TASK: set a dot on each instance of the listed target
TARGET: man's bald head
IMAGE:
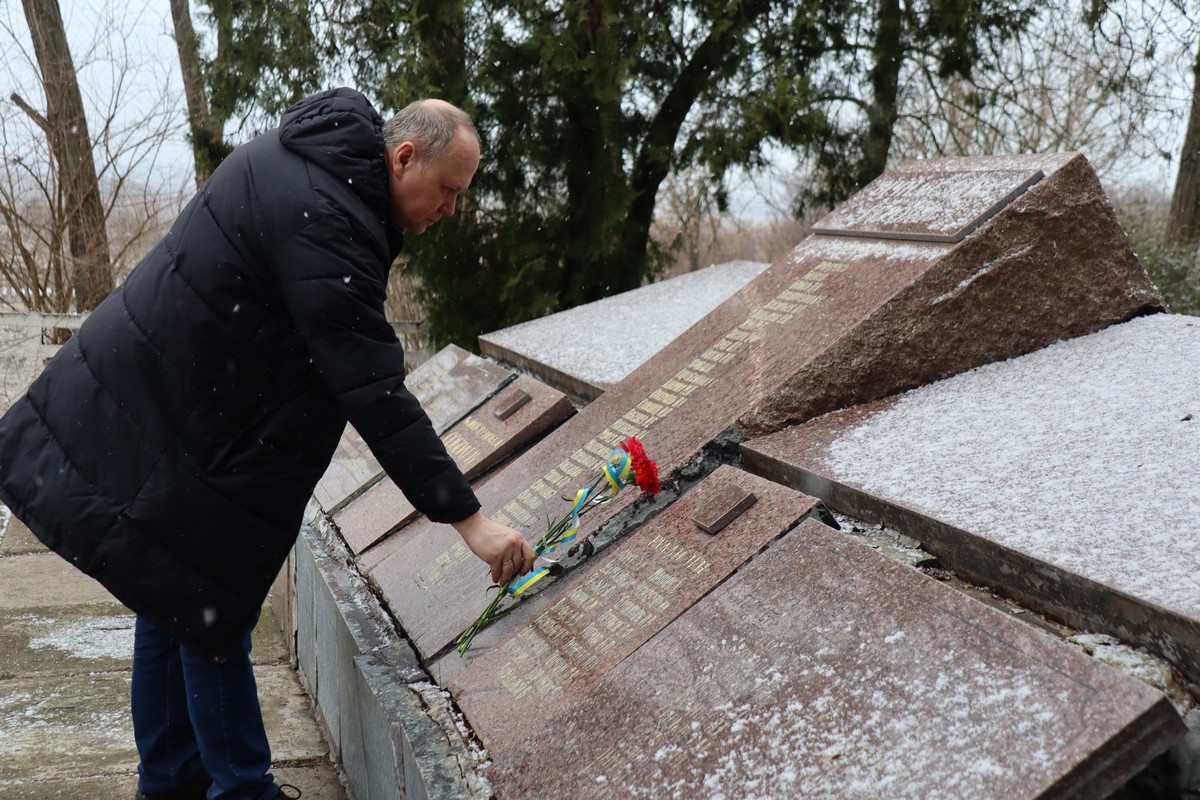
(431, 125)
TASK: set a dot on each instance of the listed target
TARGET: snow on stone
(941, 202)
(1085, 455)
(91, 638)
(604, 341)
(865, 733)
(879, 251)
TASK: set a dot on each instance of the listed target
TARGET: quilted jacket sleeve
(333, 285)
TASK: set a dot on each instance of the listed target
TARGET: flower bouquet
(629, 463)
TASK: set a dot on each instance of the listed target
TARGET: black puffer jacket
(170, 447)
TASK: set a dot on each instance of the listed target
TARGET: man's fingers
(527, 557)
(516, 558)
(513, 564)
(507, 568)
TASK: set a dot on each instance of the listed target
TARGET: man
(171, 446)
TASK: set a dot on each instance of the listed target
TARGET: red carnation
(645, 471)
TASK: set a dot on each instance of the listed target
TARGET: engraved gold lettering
(483, 431)
(582, 600)
(459, 448)
(609, 438)
(513, 681)
(631, 558)
(718, 356)
(679, 387)
(640, 419)
(579, 655)
(742, 336)
(653, 408)
(691, 376)
(431, 576)
(664, 580)
(625, 429)
(666, 398)
(650, 598)
(583, 459)
(546, 625)
(597, 639)
(610, 622)
(632, 612)
(518, 513)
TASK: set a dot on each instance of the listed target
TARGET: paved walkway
(65, 647)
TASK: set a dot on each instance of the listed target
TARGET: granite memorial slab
(449, 385)
(510, 420)
(453, 383)
(1065, 477)
(555, 645)
(839, 321)
(352, 467)
(912, 204)
(586, 366)
(824, 669)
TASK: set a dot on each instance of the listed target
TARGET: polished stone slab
(519, 414)
(557, 644)
(837, 322)
(353, 467)
(588, 349)
(913, 204)
(824, 669)
(449, 385)
(1066, 477)
(453, 383)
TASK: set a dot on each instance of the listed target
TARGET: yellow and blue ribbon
(529, 580)
(617, 470)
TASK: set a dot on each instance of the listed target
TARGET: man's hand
(504, 549)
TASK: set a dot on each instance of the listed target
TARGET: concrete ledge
(394, 733)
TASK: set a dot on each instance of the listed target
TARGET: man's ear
(403, 157)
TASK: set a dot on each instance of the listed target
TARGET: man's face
(423, 193)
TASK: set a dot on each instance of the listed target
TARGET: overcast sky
(143, 62)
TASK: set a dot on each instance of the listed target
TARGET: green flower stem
(548, 541)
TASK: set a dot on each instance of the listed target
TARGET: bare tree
(263, 56)
(1183, 220)
(65, 127)
(38, 190)
(206, 130)
(1059, 86)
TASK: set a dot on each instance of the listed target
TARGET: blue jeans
(193, 717)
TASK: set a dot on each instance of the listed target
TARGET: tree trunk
(885, 88)
(71, 148)
(654, 156)
(206, 133)
(1183, 220)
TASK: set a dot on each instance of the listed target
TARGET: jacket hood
(340, 131)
